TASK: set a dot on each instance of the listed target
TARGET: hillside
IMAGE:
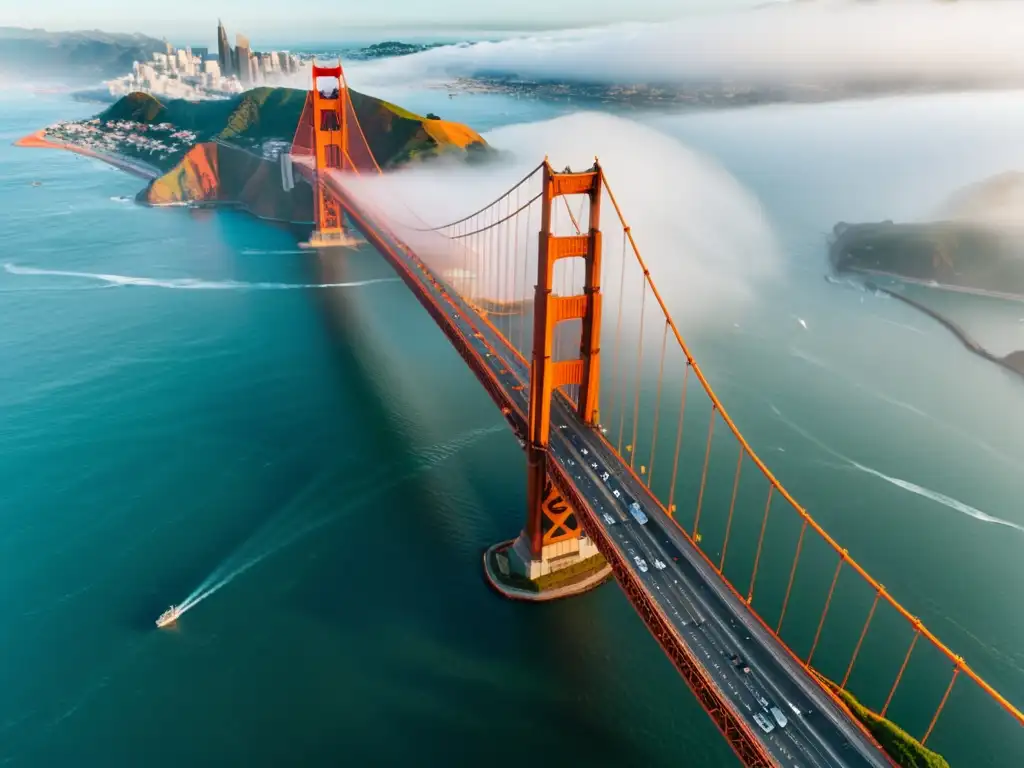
(264, 115)
(83, 56)
(975, 243)
(225, 152)
(965, 254)
(904, 749)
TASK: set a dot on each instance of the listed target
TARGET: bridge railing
(718, 491)
(664, 419)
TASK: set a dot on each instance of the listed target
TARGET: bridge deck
(699, 622)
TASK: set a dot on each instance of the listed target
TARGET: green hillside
(272, 114)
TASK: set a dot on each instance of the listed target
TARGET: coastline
(969, 290)
(38, 140)
(962, 335)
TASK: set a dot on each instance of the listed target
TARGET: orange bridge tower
(331, 126)
(553, 538)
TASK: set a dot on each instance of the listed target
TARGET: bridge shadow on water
(423, 614)
(398, 583)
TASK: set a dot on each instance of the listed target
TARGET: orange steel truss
(329, 137)
(487, 253)
(737, 733)
(548, 522)
(555, 511)
(807, 522)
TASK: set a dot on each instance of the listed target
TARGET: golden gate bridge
(526, 288)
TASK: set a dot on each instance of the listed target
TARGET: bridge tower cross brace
(550, 521)
(330, 150)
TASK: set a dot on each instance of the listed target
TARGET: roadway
(710, 619)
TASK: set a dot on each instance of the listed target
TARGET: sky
(337, 20)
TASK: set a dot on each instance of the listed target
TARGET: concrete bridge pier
(552, 558)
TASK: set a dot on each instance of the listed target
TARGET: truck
(636, 512)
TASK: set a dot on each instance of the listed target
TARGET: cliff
(220, 173)
(231, 161)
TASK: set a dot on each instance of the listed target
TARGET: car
(640, 563)
(659, 564)
(608, 519)
(605, 476)
(584, 451)
(616, 493)
(764, 722)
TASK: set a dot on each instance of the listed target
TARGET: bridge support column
(331, 153)
(553, 556)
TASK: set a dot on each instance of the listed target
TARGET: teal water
(213, 416)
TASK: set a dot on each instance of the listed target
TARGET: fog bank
(704, 236)
(975, 42)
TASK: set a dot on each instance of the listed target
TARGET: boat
(169, 616)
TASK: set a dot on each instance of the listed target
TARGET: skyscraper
(243, 59)
(223, 50)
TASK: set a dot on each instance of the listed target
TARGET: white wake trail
(906, 485)
(428, 459)
(850, 381)
(186, 283)
(941, 498)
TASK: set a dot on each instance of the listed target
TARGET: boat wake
(850, 381)
(278, 533)
(185, 283)
(906, 485)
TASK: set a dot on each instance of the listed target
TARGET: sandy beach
(38, 140)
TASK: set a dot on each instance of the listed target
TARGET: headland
(228, 152)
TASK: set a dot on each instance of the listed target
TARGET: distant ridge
(86, 55)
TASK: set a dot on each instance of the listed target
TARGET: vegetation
(395, 135)
(903, 748)
(562, 578)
